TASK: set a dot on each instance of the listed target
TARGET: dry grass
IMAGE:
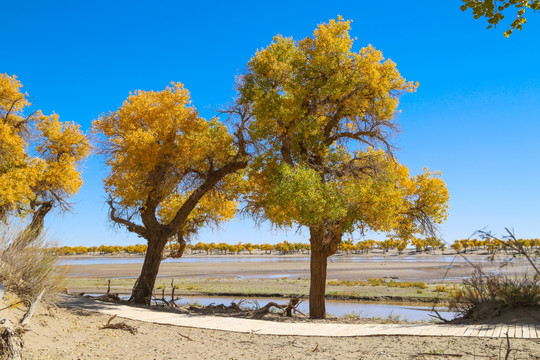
(28, 270)
(496, 291)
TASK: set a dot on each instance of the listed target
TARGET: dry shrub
(26, 271)
(498, 292)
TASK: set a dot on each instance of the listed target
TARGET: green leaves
(493, 14)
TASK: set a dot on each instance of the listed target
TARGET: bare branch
(140, 230)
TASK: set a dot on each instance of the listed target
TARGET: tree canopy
(39, 157)
(493, 11)
(322, 120)
(171, 171)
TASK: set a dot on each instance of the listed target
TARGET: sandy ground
(58, 333)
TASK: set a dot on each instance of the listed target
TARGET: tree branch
(132, 227)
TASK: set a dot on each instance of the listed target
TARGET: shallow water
(333, 307)
(336, 307)
(248, 258)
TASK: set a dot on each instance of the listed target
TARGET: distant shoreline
(372, 253)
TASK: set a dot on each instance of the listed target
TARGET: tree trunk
(34, 229)
(144, 286)
(318, 265)
(324, 243)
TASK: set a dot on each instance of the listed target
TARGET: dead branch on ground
(286, 309)
(121, 325)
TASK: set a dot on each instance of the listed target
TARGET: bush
(496, 291)
(26, 271)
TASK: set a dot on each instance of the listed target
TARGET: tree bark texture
(324, 243)
(33, 230)
(144, 286)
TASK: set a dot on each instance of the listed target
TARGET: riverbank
(230, 286)
(405, 278)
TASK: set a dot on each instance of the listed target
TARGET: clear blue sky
(475, 117)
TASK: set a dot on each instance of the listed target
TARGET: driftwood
(11, 342)
(26, 318)
(110, 297)
(286, 309)
(233, 306)
(121, 325)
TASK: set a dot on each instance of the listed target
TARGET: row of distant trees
(492, 245)
(348, 247)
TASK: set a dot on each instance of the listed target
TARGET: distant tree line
(290, 248)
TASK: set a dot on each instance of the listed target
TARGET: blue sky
(475, 116)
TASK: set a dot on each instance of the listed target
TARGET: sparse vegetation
(26, 271)
(483, 294)
(378, 282)
(490, 295)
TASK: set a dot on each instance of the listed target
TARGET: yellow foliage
(160, 151)
(39, 154)
(313, 101)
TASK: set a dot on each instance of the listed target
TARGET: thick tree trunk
(142, 290)
(318, 265)
(324, 243)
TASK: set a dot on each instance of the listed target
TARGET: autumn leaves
(39, 158)
(309, 145)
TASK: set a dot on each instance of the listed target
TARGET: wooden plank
(426, 329)
(491, 331)
(402, 329)
(481, 330)
(511, 331)
(472, 330)
(499, 331)
(341, 330)
(394, 329)
(519, 330)
(414, 330)
(267, 329)
(456, 330)
(525, 331)
(363, 329)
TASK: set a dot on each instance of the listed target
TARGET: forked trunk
(144, 286)
(318, 265)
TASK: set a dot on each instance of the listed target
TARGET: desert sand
(59, 333)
